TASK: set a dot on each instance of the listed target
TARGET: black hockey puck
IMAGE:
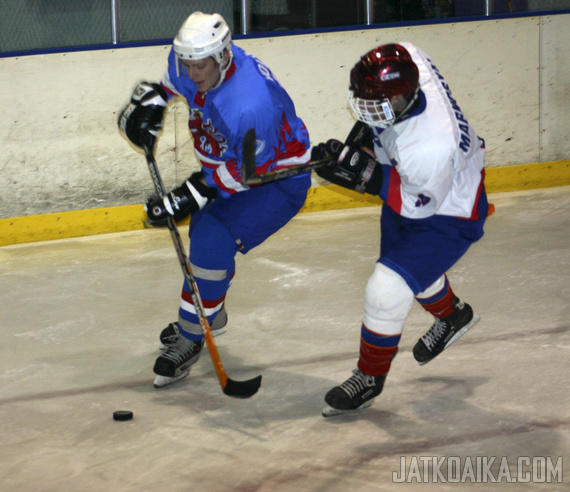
(122, 415)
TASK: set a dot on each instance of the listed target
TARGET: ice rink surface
(79, 335)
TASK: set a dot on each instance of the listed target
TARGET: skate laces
(171, 333)
(355, 384)
(438, 330)
(181, 350)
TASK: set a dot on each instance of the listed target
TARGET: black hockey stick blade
(249, 176)
(248, 156)
(242, 389)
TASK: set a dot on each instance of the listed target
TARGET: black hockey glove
(330, 150)
(352, 168)
(185, 200)
(141, 119)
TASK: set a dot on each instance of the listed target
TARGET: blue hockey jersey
(249, 97)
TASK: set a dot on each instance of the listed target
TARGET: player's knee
(387, 301)
(212, 246)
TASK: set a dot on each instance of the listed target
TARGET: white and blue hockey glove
(141, 119)
(185, 200)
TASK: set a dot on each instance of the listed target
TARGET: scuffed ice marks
(59, 333)
(286, 274)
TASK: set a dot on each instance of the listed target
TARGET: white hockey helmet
(201, 36)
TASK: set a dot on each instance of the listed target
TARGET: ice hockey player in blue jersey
(228, 92)
(425, 161)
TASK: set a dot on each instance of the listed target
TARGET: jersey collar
(417, 107)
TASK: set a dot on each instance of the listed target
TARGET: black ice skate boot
(174, 364)
(444, 332)
(170, 334)
(355, 393)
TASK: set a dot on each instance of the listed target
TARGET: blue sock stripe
(191, 336)
(377, 340)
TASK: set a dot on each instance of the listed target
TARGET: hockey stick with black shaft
(230, 387)
(249, 177)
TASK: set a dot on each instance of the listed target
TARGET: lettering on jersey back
(462, 124)
(264, 70)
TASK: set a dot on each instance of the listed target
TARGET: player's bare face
(204, 73)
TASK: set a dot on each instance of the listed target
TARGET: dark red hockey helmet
(380, 74)
(384, 72)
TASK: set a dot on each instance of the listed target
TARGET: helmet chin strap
(413, 99)
(223, 71)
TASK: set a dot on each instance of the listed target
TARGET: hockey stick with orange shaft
(230, 387)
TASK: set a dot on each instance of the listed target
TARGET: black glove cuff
(197, 180)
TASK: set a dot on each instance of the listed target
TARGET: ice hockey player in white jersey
(228, 92)
(425, 161)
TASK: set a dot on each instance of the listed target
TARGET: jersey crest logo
(206, 135)
(422, 200)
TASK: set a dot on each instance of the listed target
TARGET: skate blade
(329, 411)
(455, 337)
(463, 330)
(162, 381)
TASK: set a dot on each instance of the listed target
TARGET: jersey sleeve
(170, 78)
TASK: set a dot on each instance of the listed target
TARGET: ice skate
(444, 332)
(174, 364)
(171, 333)
(356, 393)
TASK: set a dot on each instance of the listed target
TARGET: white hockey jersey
(435, 156)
